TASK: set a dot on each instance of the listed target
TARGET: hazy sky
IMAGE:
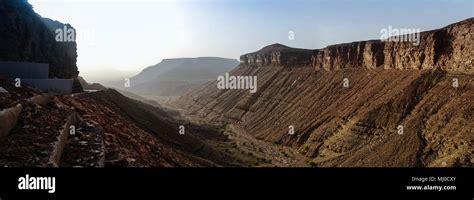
(131, 35)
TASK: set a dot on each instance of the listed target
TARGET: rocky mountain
(446, 48)
(174, 77)
(368, 103)
(90, 86)
(25, 36)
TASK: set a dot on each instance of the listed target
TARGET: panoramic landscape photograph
(236, 84)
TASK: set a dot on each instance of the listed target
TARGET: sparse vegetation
(312, 163)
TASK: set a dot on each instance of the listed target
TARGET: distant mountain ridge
(173, 77)
(167, 65)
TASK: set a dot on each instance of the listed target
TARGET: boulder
(2, 90)
(41, 99)
(8, 119)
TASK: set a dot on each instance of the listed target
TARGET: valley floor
(253, 152)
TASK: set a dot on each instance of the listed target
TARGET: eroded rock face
(277, 55)
(449, 48)
(27, 37)
(390, 85)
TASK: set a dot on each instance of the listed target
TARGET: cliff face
(449, 48)
(277, 55)
(399, 108)
(27, 37)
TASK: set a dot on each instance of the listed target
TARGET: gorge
(392, 85)
(376, 103)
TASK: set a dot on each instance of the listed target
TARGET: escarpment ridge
(449, 48)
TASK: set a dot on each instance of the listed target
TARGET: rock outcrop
(27, 37)
(449, 48)
(278, 55)
(90, 86)
(8, 120)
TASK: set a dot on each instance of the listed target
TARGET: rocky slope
(90, 86)
(369, 103)
(111, 130)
